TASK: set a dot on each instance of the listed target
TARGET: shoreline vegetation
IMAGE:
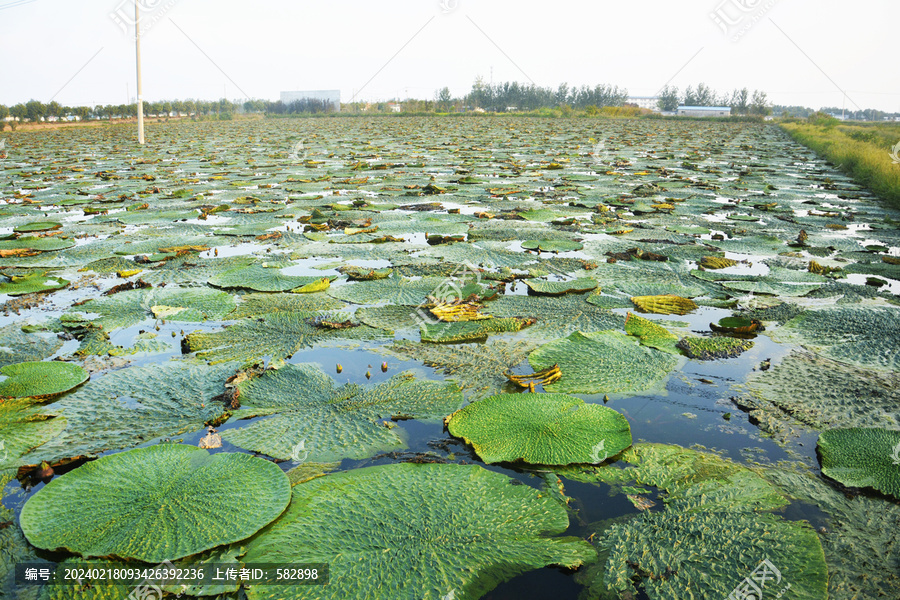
(861, 150)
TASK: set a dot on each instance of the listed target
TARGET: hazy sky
(77, 53)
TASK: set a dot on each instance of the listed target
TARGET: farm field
(450, 358)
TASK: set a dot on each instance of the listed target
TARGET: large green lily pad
(277, 335)
(714, 531)
(159, 503)
(438, 532)
(47, 378)
(478, 369)
(32, 284)
(557, 288)
(313, 418)
(18, 346)
(24, 427)
(135, 405)
(604, 362)
(546, 429)
(862, 457)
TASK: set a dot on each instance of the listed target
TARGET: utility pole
(137, 52)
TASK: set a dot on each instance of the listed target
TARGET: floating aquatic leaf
(666, 305)
(131, 406)
(470, 330)
(711, 534)
(651, 333)
(556, 316)
(47, 378)
(154, 504)
(18, 346)
(260, 278)
(259, 305)
(862, 335)
(604, 362)
(277, 335)
(32, 284)
(477, 368)
(24, 427)
(546, 429)
(712, 348)
(424, 546)
(556, 288)
(552, 245)
(862, 457)
(333, 422)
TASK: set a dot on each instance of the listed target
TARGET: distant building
(332, 96)
(395, 106)
(704, 111)
(648, 102)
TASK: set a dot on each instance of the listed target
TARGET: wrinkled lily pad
(546, 429)
(157, 503)
(470, 330)
(47, 378)
(604, 362)
(713, 532)
(330, 422)
(477, 368)
(712, 348)
(557, 288)
(31, 284)
(862, 457)
(24, 427)
(135, 405)
(423, 545)
(277, 335)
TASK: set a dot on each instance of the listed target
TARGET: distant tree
(35, 110)
(443, 99)
(54, 109)
(690, 97)
(740, 101)
(668, 99)
(19, 111)
(562, 95)
(4, 111)
(759, 103)
(81, 112)
(705, 96)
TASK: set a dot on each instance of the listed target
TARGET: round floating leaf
(260, 279)
(712, 533)
(159, 503)
(19, 346)
(545, 429)
(604, 362)
(862, 457)
(552, 245)
(31, 284)
(128, 407)
(435, 531)
(711, 348)
(557, 288)
(460, 331)
(22, 428)
(47, 378)
(665, 305)
(313, 418)
(37, 226)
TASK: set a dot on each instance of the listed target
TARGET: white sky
(260, 48)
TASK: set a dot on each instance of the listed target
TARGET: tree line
(741, 101)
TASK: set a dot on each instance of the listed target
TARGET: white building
(704, 111)
(332, 96)
(648, 102)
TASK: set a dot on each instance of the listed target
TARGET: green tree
(35, 110)
(19, 112)
(443, 98)
(668, 99)
(759, 103)
(4, 111)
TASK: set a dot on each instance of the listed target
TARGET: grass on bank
(863, 151)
